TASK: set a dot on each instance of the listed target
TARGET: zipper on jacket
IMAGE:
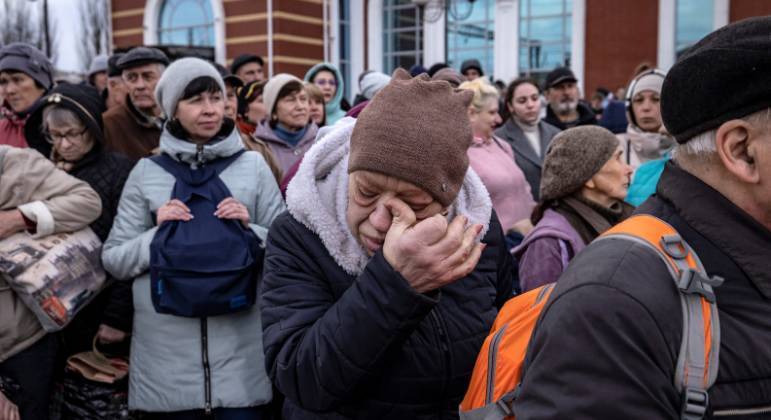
(199, 154)
(443, 345)
(206, 369)
(733, 412)
(492, 359)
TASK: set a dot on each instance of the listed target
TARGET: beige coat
(57, 202)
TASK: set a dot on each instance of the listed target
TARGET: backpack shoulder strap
(221, 164)
(697, 362)
(170, 165)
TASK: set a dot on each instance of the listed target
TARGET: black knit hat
(243, 59)
(724, 76)
(83, 100)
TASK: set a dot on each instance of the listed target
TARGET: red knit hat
(417, 130)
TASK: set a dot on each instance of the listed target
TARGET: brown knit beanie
(416, 130)
(573, 157)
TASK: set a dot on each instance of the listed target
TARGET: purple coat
(546, 250)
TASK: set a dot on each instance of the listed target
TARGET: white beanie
(646, 81)
(273, 87)
(372, 82)
(177, 76)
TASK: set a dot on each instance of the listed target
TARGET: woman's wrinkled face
(19, 90)
(647, 110)
(611, 183)
(202, 115)
(368, 217)
(292, 110)
(71, 141)
(484, 121)
(256, 111)
(316, 111)
(526, 103)
(327, 82)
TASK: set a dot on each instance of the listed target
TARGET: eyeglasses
(326, 82)
(72, 137)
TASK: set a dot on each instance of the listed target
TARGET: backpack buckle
(692, 281)
(674, 246)
(695, 404)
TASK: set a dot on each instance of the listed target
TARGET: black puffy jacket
(339, 346)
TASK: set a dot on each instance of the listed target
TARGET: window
(186, 22)
(470, 32)
(544, 36)
(693, 20)
(345, 45)
(403, 35)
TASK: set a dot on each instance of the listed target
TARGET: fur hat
(417, 130)
(573, 157)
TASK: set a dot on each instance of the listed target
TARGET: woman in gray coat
(528, 135)
(184, 367)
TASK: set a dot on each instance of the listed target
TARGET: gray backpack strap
(698, 360)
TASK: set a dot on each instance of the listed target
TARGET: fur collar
(317, 197)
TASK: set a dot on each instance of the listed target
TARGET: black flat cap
(726, 75)
(140, 56)
(243, 59)
(112, 65)
(559, 75)
(228, 77)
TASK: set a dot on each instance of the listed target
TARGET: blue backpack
(206, 266)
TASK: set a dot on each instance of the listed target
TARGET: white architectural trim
(153, 12)
(357, 40)
(332, 32)
(578, 42)
(375, 32)
(434, 36)
(270, 38)
(667, 23)
(721, 14)
(506, 43)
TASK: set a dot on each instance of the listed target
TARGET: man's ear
(736, 142)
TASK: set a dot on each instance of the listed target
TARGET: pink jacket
(493, 161)
(12, 129)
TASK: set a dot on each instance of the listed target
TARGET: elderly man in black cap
(617, 310)
(134, 129)
(248, 67)
(565, 110)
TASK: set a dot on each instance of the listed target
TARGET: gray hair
(702, 147)
(56, 116)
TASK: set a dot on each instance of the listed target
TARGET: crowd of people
(273, 251)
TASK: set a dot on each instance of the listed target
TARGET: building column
(357, 38)
(720, 16)
(375, 38)
(506, 42)
(434, 33)
(667, 18)
(578, 42)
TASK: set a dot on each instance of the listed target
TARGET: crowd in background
(384, 234)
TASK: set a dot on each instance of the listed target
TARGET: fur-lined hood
(317, 197)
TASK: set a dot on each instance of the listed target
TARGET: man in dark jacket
(565, 110)
(377, 294)
(134, 129)
(608, 340)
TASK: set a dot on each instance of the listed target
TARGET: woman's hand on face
(173, 210)
(230, 208)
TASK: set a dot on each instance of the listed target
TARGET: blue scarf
(289, 137)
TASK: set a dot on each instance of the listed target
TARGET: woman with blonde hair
(493, 160)
(316, 109)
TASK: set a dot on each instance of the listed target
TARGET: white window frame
(152, 15)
